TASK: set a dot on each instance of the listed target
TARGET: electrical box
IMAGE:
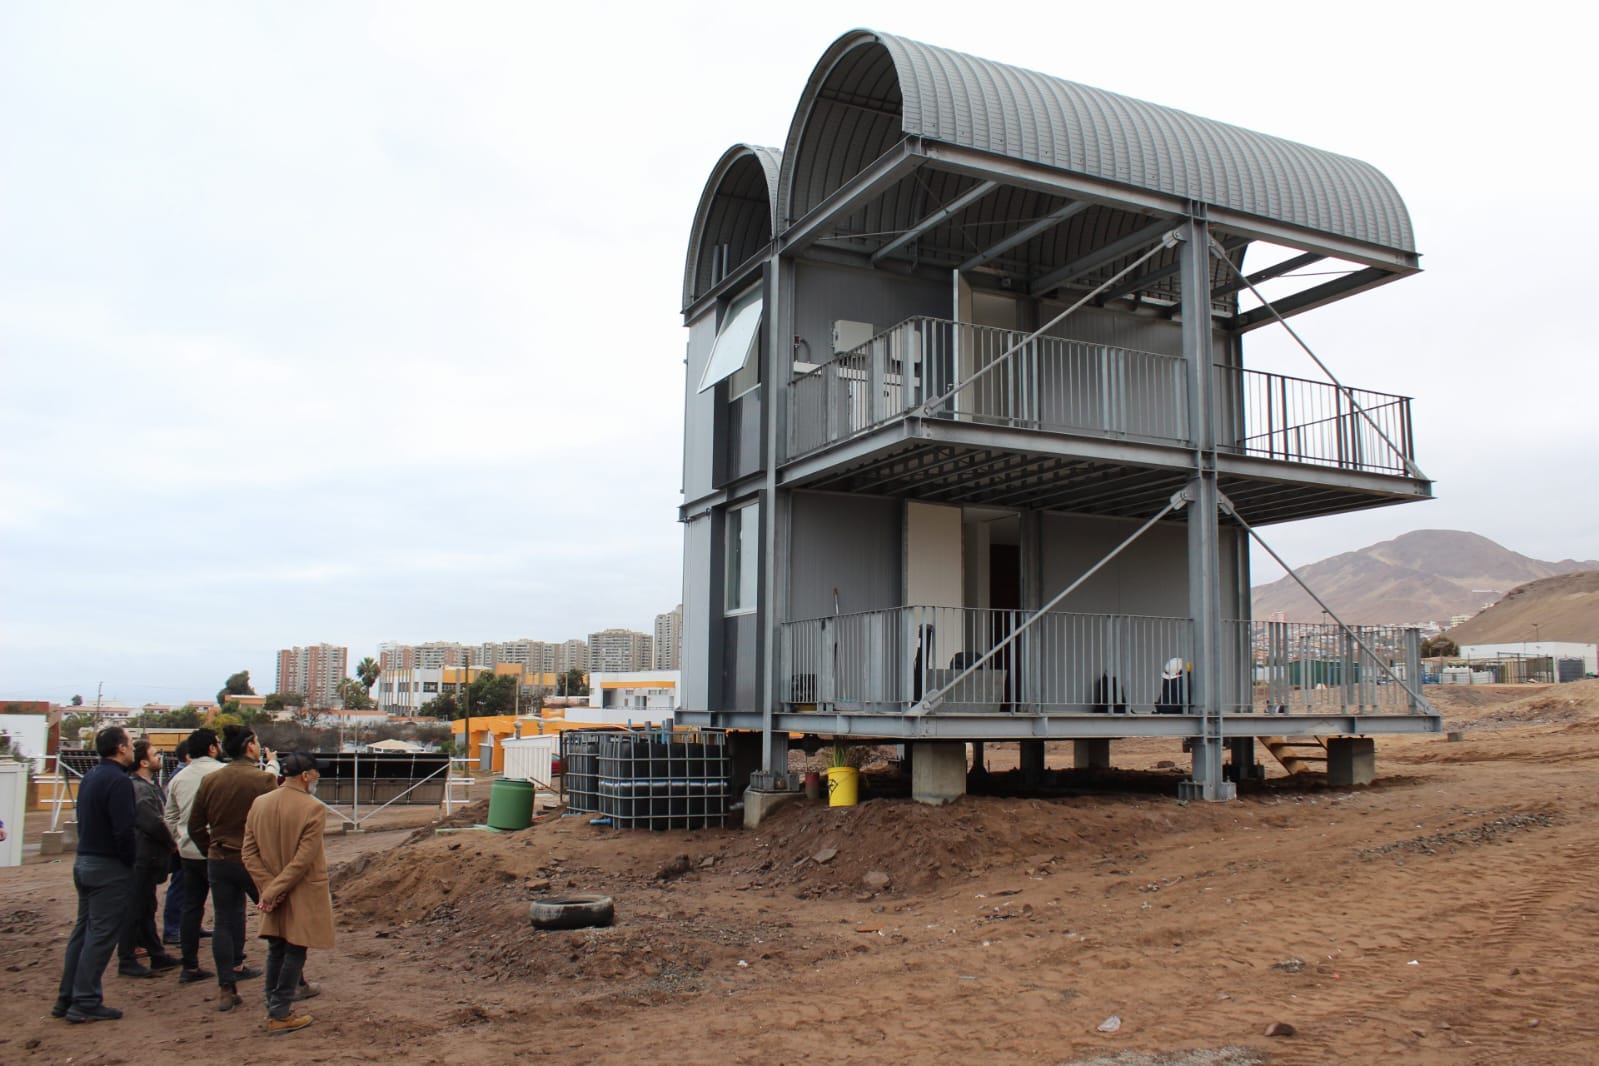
(847, 335)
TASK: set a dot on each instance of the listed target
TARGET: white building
(633, 696)
(1537, 649)
(403, 692)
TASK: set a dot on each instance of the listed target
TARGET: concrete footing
(1219, 792)
(52, 842)
(1092, 754)
(69, 827)
(758, 806)
(1351, 761)
(938, 771)
(1032, 762)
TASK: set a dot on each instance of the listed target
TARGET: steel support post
(1204, 553)
(778, 279)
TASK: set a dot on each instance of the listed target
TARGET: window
(742, 549)
(736, 353)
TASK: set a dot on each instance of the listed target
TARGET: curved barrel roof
(738, 209)
(870, 89)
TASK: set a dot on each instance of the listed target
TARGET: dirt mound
(898, 847)
(1499, 706)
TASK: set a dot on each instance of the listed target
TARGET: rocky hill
(1564, 607)
(1427, 575)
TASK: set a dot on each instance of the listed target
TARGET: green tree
(77, 701)
(277, 701)
(353, 695)
(493, 694)
(442, 706)
(573, 683)
(73, 725)
(237, 685)
(1439, 645)
(368, 670)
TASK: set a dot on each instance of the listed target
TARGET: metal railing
(1302, 421)
(1049, 383)
(951, 370)
(1068, 663)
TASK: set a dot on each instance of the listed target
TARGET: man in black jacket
(101, 873)
(155, 851)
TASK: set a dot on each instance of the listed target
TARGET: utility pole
(99, 690)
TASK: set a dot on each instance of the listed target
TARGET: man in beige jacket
(283, 852)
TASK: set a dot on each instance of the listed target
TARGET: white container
(13, 809)
(530, 758)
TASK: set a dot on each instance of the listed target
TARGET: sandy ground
(1447, 914)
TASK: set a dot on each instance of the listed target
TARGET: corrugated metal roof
(870, 89)
(738, 209)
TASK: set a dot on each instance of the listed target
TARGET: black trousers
(196, 886)
(285, 961)
(230, 887)
(138, 927)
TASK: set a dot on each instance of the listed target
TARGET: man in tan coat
(283, 852)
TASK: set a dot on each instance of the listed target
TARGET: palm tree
(368, 670)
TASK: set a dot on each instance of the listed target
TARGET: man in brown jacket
(283, 852)
(216, 826)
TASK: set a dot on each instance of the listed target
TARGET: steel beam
(955, 206)
(1138, 239)
(1025, 234)
(890, 168)
(1326, 293)
(1276, 270)
(1231, 244)
(992, 725)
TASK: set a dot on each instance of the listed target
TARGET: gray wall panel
(825, 293)
(1150, 577)
(699, 613)
(849, 543)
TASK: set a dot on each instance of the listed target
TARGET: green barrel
(510, 804)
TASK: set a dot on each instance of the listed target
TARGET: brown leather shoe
(228, 998)
(279, 1026)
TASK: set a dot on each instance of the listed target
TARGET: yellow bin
(843, 783)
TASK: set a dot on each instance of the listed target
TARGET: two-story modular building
(973, 450)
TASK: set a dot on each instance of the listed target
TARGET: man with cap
(284, 855)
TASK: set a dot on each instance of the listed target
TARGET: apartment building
(620, 651)
(314, 672)
(669, 639)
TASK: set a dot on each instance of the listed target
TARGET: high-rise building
(434, 655)
(668, 638)
(315, 672)
(613, 650)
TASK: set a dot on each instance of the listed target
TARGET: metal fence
(1302, 421)
(1048, 383)
(1067, 663)
(1058, 384)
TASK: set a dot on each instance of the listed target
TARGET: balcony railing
(887, 661)
(955, 371)
(1049, 383)
(1302, 421)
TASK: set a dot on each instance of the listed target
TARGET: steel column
(1204, 557)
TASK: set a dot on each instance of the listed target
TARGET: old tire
(571, 912)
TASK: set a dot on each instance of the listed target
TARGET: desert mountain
(1428, 575)
(1564, 607)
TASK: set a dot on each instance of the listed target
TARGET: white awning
(737, 338)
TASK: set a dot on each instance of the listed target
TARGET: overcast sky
(359, 322)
